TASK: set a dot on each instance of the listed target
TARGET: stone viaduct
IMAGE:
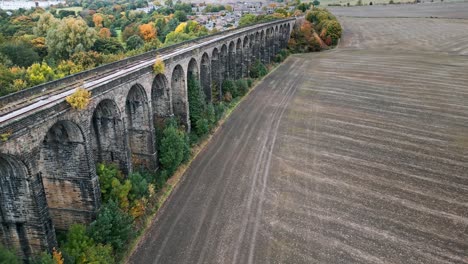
(49, 151)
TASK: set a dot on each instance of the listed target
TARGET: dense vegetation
(38, 46)
(320, 30)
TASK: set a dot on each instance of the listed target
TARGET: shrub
(77, 242)
(79, 99)
(229, 86)
(44, 258)
(211, 115)
(242, 87)
(99, 254)
(159, 67)
(112, 226)
(175, 149)
(258, 70)
(219, 110)
(203, 127)
(7, 256)
(249, 82)
(139, 186)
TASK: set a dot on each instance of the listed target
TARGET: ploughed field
(354, 155)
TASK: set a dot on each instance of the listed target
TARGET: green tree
(44, 258)
(77, 243)
(197, 107)
(106, 174)
(180, 15)
(19, 53)
(99, 254)
(45, 23)
(139, 186)
(247, 19)
(134, 42)
(169, 3)
(107, 46)
(71, 35)
(112, 226)
(174, 148)
(258, 70)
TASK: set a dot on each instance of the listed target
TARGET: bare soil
(355, 155)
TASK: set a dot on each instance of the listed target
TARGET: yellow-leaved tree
(159, 67)
(79, 99)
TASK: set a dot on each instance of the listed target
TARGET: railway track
(16, 110)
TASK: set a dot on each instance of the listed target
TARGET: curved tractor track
(355, 155)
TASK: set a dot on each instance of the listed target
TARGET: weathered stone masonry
(48, 163)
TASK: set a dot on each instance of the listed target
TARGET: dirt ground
(354, 155)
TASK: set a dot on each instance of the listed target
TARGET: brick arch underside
(25, 226)
(108, 137)
(68, 177)
(140, 133)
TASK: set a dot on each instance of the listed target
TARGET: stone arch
(192, 69)
(238, 59)
(179, 95)
(257, 46)
(262, 50)
(246, 56)
(276, 40)
(205, 76)
(271, 41)
(69, 179)
(140, 133)
(280, 36)
(232, 61)
(215, 74)
(108, 136)
(25, 225)
(252, 49)
(160, 97)
(224, 61)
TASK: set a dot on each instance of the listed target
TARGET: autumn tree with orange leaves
(104, 33)
(98, 19)
(147, 32)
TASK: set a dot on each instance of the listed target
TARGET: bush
(258, 70)
(242, 87)
(7, 256)
(79, 99)
(159, 67)
(112, 226)
(219, 110)
(77, 242)
(229, 86)
(175, 149)
(249, 82)
(113, 185)
(139, 186)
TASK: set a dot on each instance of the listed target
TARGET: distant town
(217, 18)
